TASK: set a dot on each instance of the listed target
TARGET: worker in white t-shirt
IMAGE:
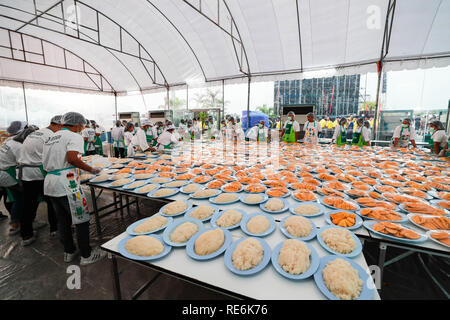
(258, 132)
(291, 129)
(439, 144)
(32, 174)
(61, 160)
(312, 129)
(9, 155)
(117, 135)
(127, 137)
(167, 139)
(234, 131)
(403, 134)
(139, 142)
(88, 135)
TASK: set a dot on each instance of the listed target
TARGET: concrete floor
(39, 272)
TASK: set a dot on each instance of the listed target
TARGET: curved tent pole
(53, 66)
(185, 40)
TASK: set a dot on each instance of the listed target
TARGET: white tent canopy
(138, 45)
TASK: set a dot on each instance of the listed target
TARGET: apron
(403, 141)
(98, 145)
(77, 200)
(289, 133)
(358, 139)
(342, 139)
(260, 138)
(149, 136)
(310, 133)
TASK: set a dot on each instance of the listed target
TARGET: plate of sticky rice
(228, 219)
(179, 232)
(147, 188)
(307, 209)
(225, 198)
(160, 180)
(258, 224)
(149, 225)
(190, 188)
(339, 241)
(101, 178)
(253, 199)
(120, 183)
(295, 259)
(275, 205)
(340, 278)
(202, 212)
(208, 243)
(142, 176)
(135, 185)
(163, 193)
(175, 208)
(247, 256)
(143, 247)
(119, 176)
(175, 184)
(205, 193)
(298, 227)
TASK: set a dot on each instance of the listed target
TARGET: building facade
(332, 96)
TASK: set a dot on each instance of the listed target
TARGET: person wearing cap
(439, 139)
(147, 125)
(139, 140)
(360, 134)
(117, 135)
(167, 139)
(88, 135)
(31, 173)
(234, 132)
(209, 131)
(128, 136)
(340, 134)
(403, 134)
(369, 131)
(182, 128)
(157, 129)
(9, 155)
(312, 129)
(61, 160)
(258, 132)
(291, 129)
(97, 141)
(190, 131)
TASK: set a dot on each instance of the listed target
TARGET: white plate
(434, 240)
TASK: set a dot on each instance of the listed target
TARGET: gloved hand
(95, 170)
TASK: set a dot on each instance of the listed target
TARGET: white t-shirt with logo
(90, 134)
(31, 154)
(406, 132)
(9, 153)
(54, 157)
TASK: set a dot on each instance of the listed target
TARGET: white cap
(170, 127)
(146, 122)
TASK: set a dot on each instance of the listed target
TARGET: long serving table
(205, 274)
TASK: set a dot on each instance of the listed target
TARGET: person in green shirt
(291, 129)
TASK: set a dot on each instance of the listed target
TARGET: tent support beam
(115, 104)
(299, 36)
(384, 51)
(39, 15)
(25, 100)
(248, 101)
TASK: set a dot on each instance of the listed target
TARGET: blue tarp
(254, 118)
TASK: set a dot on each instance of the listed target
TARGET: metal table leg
(116, 280)
(121, 206)
(137, 207)
(97, 219)
(127, 200)
(381, 259)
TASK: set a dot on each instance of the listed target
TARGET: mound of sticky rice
(339, 240)
(136, 184)
(163, 192)
(229, 218)
(144, 246)
(202, 212)
(147, 188)
(121, 182)
(160, 180)
(204, 193)
(258, 224)
(298, 226)
(248, 254)
(342, 279)
(226, 197)
(175, 207)
(307, 209)
(120, 176)
(254, 198)
(175, 184)
(183, 232)
(141, 176)
(294, 257)
(191, 188)
(209, 241)
(274, 204)
(151, 224)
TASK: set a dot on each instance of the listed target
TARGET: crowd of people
(41, 164)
